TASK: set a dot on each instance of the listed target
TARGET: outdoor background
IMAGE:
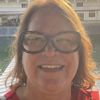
(11, 11)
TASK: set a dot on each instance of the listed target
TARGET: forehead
(50, 20)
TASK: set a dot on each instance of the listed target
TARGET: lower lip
(52, 69)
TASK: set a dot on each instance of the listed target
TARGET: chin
(53, 87)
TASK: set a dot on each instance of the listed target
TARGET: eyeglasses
(36, 42)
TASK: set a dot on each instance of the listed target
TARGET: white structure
(10, 11)
(3, 77)
(88, 10)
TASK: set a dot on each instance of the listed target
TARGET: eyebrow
(55, 33)
(42, 33)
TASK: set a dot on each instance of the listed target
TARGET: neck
(30, 93)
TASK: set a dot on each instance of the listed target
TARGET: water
(5, 43)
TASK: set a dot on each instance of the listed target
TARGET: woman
(53, 55)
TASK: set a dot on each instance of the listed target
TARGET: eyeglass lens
(64, 42)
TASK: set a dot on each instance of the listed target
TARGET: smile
(51, 68)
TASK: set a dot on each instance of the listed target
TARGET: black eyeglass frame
(49, 38)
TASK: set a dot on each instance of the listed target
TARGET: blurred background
(12, 10)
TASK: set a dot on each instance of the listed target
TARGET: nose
(49, 50)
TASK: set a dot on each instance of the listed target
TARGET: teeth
(50, 66)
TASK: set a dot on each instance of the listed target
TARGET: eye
(33, 39)
(63, 41)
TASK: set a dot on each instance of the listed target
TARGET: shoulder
(92, 94)
(10, 95)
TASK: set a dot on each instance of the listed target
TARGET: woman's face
(43, 70)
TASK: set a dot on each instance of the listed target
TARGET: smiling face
(44, 70)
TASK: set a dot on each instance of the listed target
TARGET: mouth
(51, 68)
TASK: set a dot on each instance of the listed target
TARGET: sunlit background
(12, 10)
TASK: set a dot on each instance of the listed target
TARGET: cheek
(73, 63)
(28, 62)
(74, 60)
(28, 59)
